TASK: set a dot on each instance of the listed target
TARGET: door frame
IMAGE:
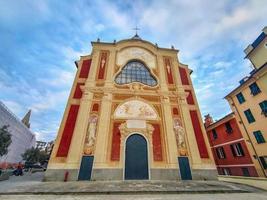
(124, 153)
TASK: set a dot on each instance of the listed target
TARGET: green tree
(31, 155)
(5, 140)
(34, 155)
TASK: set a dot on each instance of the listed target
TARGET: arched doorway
(136, 158)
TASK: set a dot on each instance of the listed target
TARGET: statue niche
(180, 137)
(90, 138)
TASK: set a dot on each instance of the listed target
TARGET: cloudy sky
(40, 40)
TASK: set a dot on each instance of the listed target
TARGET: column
(101, 148)
(190, 135)
(162, 80)
(171, 149)
(110, 69)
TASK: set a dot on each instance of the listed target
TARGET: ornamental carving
(125, 130)
(136, 53)
(135, 109)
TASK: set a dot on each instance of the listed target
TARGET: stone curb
(126, 192)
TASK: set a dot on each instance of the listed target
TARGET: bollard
(66, 175)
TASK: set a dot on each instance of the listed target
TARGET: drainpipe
(253, 147)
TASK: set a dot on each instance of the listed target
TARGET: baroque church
(132, 114)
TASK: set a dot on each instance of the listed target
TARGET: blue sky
(40, 40)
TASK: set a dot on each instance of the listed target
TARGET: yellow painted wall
(252, 103)
(104, 91)
(258, 56)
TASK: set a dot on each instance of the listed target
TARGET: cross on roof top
(136, 29)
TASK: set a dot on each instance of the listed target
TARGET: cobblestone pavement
(231, 196)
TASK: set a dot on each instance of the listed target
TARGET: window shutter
(233, 150)
(264, 164)
(224, 155)
(241, 149)
(217, 152)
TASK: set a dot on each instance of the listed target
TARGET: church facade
(132, 113)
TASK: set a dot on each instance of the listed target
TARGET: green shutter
(259, 137)
(249, 116)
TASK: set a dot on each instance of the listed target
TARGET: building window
(135, 71)
(263, 160)
(220, 152)
(214, 134)
(226, 171)
(259, 137)
(228, 127)
(263, 106)
(240, 98)
(254, 89)
(237, 150)
(245, 171)
(249, 116)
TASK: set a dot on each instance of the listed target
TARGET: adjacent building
(45, 146)
(132, 113)
(22, 137)
(229, 147)
(249, 102)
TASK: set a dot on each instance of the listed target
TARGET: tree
(5, 140)
(34, 155)
(31, 155)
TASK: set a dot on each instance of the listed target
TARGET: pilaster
(110, 69)
(76, 147)
(170, 136)
(101, 148)
(191, 139)
(163, 83)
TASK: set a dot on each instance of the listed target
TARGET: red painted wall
(237, 171)
(85, 68)
(68, 131)
(115, 149)
(224, 137)
(183, 75)
(230, 159)
(199, 135)
(189, 98)
(95, 107)
(156, 140)
(175, 111)
(78, 92)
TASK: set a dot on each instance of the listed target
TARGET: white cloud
(49, 101)
(58, 78)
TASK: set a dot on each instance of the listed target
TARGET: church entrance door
(136, 158)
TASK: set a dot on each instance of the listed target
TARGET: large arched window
(135, 71)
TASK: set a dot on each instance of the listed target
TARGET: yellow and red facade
(101, 115)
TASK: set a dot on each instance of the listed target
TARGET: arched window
(135, 71)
